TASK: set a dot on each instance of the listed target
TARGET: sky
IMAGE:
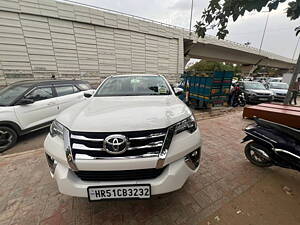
(279, 38)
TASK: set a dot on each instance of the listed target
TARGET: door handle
(51, 103)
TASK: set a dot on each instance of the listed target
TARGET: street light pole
(263, 37)
(192, 6)
(296, 48)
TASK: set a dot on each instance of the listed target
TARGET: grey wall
(39, 38)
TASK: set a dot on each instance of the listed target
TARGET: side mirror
(178, 91)
(25, 101)
(87, 94)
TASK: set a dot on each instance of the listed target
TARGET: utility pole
(191, 17)
(294, 77)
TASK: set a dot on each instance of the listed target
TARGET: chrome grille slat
(87, 157)
(83, 147)
(149, 137)
(151, 145)
(83, 138)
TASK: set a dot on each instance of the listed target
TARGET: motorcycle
(239, 100)
(272, 144)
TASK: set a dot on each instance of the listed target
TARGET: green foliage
(267, 70)
(218, 13)
(209, 66)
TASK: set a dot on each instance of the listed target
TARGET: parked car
(279, 90)
(275, 79)
(133, 138)
(255, 92)
(31, 105)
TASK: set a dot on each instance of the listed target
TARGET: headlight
(57, 129)
(189, 124)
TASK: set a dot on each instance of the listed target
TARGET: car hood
(130, 113)
(260, 91)
(279, 91)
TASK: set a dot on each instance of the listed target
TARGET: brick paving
(28, 195)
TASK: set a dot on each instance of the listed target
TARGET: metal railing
(123, 14)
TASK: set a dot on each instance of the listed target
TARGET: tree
(219, 12)
(208, 66)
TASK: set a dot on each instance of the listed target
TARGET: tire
(254, 158)
(243, 103)
(8, 138)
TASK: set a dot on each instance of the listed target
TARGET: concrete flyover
(211, 48)
(41, 38)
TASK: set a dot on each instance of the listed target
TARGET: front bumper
(173, 178)
(279, 97)
(256, 98)
(177, 166)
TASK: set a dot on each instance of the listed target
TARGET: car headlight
(189, 124)
(57, 129)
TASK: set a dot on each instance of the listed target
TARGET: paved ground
(272, 200)
(29, 196)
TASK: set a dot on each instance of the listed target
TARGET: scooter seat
(294, 133)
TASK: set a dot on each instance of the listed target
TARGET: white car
(31, 105)
(279, 90)
(275, 79)
(132, 139)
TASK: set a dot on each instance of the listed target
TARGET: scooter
(239, 100)
(272, 144)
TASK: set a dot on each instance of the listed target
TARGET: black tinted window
(40, 94)
(66, 90)
(9, 94)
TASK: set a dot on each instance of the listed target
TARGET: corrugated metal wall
(41, 38)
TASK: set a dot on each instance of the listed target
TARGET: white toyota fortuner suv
(132, 139)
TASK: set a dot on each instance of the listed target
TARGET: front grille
(140, 143)
(263, 94)
(119, 175)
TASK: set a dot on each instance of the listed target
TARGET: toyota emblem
(115, 144)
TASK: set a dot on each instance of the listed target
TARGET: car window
(9, 94)
(76, 89)
(40, 94)
(66, 90)
(279, 86)
(255, 86)
(133, 86)
(84, 87)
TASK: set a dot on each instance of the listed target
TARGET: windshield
(255, 85)
(9, 94)
(133, 86)
(279, 86)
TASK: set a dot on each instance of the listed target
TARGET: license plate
(141, 191)
(263, 99)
